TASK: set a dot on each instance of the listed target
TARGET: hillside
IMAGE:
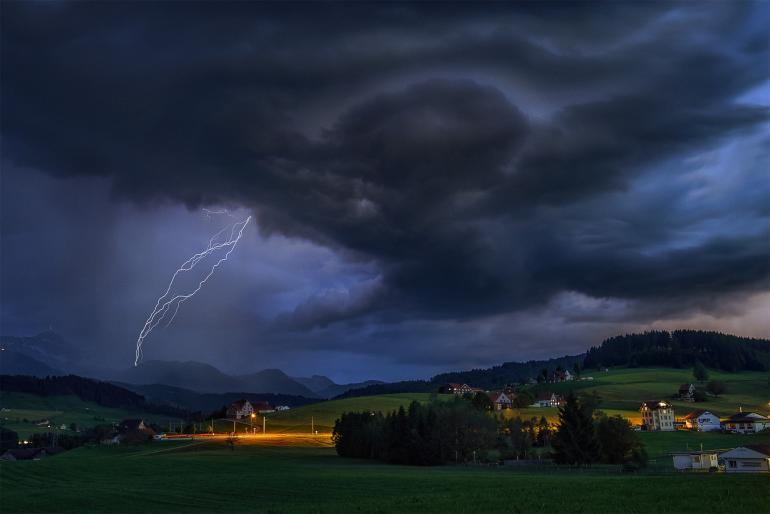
(21, 412)
(681, 348)
(620, 390)
(208, 402)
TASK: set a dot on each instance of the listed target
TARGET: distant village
(657, 415)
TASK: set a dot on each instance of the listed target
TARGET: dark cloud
(481, 161)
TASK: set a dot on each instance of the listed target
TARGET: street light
(253, 417)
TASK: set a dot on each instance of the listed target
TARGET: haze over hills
(49, 354)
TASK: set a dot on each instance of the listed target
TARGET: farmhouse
(687, 392)
(752, 458)
(546, 399)
(453, 388)
(657, 416)
(245, 408)
(500, 401)
(746, 423)
(695, 461)
(702, 421)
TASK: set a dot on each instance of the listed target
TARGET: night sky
(434, 187)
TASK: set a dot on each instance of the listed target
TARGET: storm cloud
(459, 164)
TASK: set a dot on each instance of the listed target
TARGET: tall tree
(699, 371)
(575, 440)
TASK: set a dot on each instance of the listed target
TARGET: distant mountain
(47, 348)
(204, 378)
(315, 383)
(208, 402)
(272, 381)
(338, 389)
(14, 363)
(326, 388)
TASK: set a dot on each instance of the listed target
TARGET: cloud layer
(461, 165)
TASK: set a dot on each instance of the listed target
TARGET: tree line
(682, 348)
(464, 430)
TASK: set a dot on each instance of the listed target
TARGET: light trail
(164, 305)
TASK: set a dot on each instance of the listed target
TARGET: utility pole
(312, 425)
(264, 424)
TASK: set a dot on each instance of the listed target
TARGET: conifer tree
(575, 440)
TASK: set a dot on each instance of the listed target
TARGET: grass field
(60, 410)
(195, 477)
(622, 389)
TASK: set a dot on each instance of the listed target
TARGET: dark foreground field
(255, 478)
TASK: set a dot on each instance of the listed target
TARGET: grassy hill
(622, 389)
(15, 408)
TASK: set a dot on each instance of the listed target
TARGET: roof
(657, 404)
(499, 397)
(746, 417)
(544, 395)
(741, 451)
(697, 413)
(685, 387)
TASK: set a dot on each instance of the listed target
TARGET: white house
(695, 461)
(746, 423)
(702, 421)
(657, 416)
(548, 400)
(500, 401)
(752, 458)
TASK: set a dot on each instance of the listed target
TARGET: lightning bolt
(168, 302)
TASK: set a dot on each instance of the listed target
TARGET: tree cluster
(436, 433)
(585, 437)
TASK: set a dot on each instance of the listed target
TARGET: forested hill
(495, 377)
(681, 348)
(102, 393)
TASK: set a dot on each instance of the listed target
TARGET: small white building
(746, 423)
(752, 458)
(695, 460)
(702, 421)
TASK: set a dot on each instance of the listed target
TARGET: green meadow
(15, 408)
(621, 391)
(209, 477)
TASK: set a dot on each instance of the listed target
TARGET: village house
(546, 399)
(453, 388)
(687, 392)
(500, 401)
(746, 423)
(696, 461)
(752, 458)
(130, 425)
(702, 421)
(245, 408)
(657, 416)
